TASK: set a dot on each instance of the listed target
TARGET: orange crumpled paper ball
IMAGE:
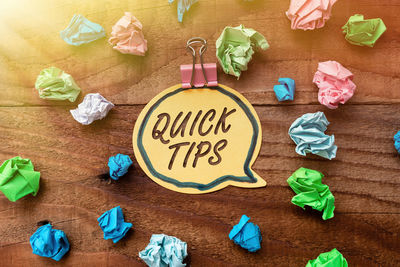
(127, 36)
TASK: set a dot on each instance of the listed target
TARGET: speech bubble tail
(260, 182)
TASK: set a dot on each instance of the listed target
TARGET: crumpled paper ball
(182, 7)
(164, 251)
(335, 84)
(235, 47)
(363, 32)
(18, 178)
(54, 84)
(49, 242)
(246, 234)
(308, 134)
(113, 225)
(285, 90)
(397, 141)
(93, 107)
(127, 36)
(119, 165)
(332, 258)
(309, 14)
(310, 190)
(82, 31)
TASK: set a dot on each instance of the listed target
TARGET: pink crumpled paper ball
(335, 84)
(309, 14)
(127, 36)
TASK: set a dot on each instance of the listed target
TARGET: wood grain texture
(364, 177)
(128, 79)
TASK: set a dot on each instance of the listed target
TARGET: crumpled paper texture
(335, 84)
(81, 31)
(183, 6)
(332, 258)
(397, 141)
(363, 32)
(246, 234)
(127, 36)
(164, 251)
(119, 165)
(285, 90)
(113, 225)
(49, 242)
(308, 134)
(54, 84)
(309, 14)
(310, 190)
(235, 47)
(93, 107)
(18, 178)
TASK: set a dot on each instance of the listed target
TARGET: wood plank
(71, 157)
(33, 43)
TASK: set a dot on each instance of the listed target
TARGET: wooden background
(364, 177)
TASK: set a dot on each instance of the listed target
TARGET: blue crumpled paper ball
(49, 242)
(246, 234)
(164, 251)
(308, 133)
(82, 31)
(113, 225)
(119, 165)
(397, 141)
(285, 90)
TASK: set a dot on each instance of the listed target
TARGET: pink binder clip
(198, 75)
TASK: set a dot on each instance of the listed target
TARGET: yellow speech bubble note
(199, 140)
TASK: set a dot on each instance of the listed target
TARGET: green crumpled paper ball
(310, 190)
(363, 32)
(332, 258)
(18, 178)
(54, 84)
(235, 48)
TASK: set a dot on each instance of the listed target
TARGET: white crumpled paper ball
(93, 107)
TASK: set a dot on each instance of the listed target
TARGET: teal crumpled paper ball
(397, 141)
(81, 31)
(164, 251)
(113, 225)
(308, 132)
(183, 6)
(49, 242)
(119, 165)
(246, 234)
(285, 90)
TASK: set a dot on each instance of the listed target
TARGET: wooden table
(364, 178)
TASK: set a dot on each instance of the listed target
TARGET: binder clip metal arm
(198, 75)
